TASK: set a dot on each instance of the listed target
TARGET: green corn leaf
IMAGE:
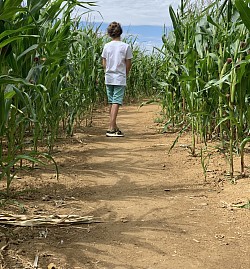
(185, 78)
(244, 142)
(228, 118)
(244, 11)
(54, 9)
(10, 12)
(2, 111)
(223, 5)
(11, 39)
(23, 157)
(9, 94)
(1, 6)
(37, 5)
(211, 20)
(49, 157)
(216, 82)
(17, 31)
(12, 3)
(176, 24)
(198, 44)
(152, 101)
(179, 135)
(4, 79)
(31, 48)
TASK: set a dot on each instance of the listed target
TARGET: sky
(144, 19)
(133, 12)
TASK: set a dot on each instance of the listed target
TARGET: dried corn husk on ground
(39, 220)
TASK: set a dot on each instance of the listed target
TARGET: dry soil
(150, 209)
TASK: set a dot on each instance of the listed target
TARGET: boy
(116, 61)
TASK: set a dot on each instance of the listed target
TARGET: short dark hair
(114, 29)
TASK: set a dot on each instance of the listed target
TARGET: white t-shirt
(115, 53)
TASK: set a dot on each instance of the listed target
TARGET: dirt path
(155, 209)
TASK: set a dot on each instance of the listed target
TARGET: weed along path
(150, 209)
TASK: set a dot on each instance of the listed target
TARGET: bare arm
(128, 65)
(104, 63)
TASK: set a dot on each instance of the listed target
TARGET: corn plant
(51, 78)
(33, 48)
(145, 71)
(206, 82)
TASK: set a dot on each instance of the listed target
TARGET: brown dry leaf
(52, 266)
(35, 265)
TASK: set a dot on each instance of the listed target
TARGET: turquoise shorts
(115, 94)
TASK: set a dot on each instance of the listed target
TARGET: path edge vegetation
(206, 84)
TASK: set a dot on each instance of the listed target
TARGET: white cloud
(133, 12)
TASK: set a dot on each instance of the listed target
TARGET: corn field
(206, 83)
(34, 47)
(51, 76)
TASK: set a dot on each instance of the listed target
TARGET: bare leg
(114, 108)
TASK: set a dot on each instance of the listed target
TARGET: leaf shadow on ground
(106, 179)
(114, 232)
